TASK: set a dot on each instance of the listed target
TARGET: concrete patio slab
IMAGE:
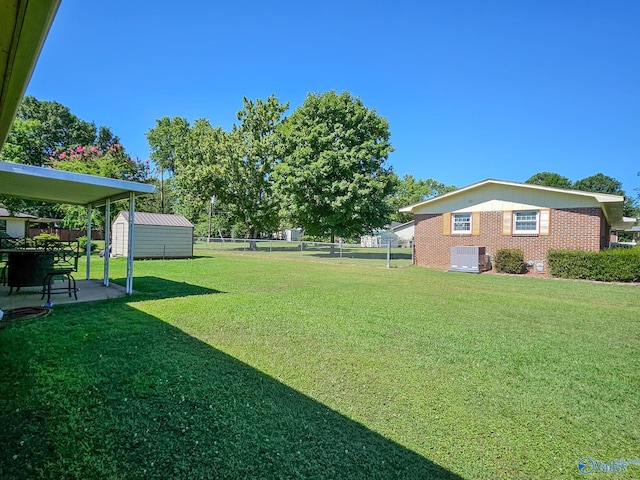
(88, 291)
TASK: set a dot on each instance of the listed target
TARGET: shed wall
(152, 241)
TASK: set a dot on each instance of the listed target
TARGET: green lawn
(238, 366)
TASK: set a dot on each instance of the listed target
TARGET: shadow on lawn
(116, 393)
(157, 287)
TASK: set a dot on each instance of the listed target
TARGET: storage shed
(156, 235)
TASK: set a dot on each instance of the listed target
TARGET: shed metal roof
(157, 219)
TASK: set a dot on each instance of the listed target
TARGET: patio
(88, 291)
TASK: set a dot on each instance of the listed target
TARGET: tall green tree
(411, 190)
(234, 167)
(43, 129)
(200, 170)
(165, 140)
(248, 174)
(333, 178)
(599, 183)
(549, 179)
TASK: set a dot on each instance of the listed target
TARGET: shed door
(120, 240)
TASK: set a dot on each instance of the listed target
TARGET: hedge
(614, 265)
(509, 261)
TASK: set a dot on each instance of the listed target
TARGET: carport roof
(57, 186)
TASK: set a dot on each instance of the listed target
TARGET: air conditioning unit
(468, 259)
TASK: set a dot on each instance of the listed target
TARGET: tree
(549, 179)
(199, 170)
(106, 139)
(114, 163)
(599, 183)
(50, 128)
(234, 167)
(410, 191)
(165, 140)
(25, 143)
(248, 174)
(333, 176)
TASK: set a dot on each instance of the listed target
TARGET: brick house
(497, 214)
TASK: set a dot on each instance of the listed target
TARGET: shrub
(82, 241)
(615, 265)
(46, 237)
(509, 261)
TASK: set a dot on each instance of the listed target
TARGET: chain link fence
(312, 251)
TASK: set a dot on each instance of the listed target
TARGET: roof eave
(602, 198)
(25, 26)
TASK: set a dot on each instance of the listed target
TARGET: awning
(57, 186)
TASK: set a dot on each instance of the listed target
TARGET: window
(525, 222)
(461, 222)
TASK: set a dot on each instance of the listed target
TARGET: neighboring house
(157, 235)
(498, 215)
(14, 226)
(405, 233)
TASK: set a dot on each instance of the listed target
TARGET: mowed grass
(228, 366)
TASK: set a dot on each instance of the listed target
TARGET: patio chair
(65, 263)
(3, 269)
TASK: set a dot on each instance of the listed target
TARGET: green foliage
(613, 265)
(234, 167)
(82, 242)
(113, 163)
(509, 261)
(46, 238)
(599, 183)
(549, 179)
(43, 129)
(165, 140)
(25, 143)
(333, 177)
(410, 190)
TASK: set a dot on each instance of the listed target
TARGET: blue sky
(471, 89)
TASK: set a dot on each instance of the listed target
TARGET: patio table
(26, 268)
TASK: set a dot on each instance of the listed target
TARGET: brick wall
(575, 228)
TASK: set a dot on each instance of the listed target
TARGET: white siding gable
(497, 198)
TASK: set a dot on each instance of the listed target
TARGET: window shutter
(506, 222)
(446, 224)
(545, 223)
(475, 223)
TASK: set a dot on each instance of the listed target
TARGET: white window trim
(461, 232)
(526, 232)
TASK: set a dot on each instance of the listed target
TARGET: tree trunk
(332, 249)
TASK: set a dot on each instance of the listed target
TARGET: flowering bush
(112, 162)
